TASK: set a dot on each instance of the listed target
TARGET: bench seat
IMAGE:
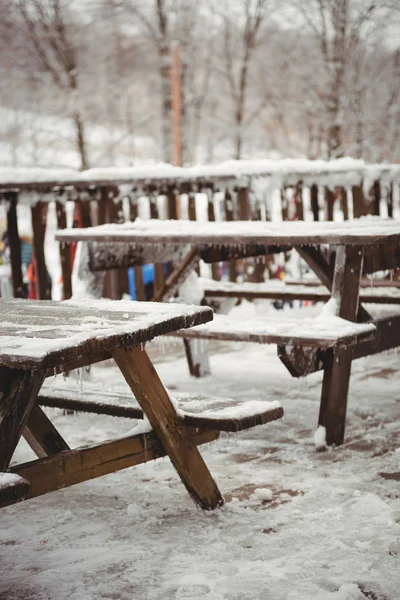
(279, 290)
(320, 332)
(223, 414)
(12, 488)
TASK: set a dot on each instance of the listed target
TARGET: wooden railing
(236, 190)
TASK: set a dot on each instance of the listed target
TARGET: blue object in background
(148, 277)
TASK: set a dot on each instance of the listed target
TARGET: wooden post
(337, 367)
(342, 195)
(150, 393)
(329, 201)
(211, 217)
(299, 201)
(158, 267)
(285, 205)
(15, 245)
(314, 201)
(358, 201)
(376, 189)
(193, 216)
(229, 216)
(65, 256)
(390, 200)
(39, 214)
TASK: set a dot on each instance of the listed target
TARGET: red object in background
(31, 277)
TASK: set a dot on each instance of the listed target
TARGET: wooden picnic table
(41, 338)
(339, 254)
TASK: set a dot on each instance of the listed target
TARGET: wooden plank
(192, 216)
(344, 205)
(178, 276)
(82, 464)
(12, 489)
(274, 331)
(15, 245)
(313, 293)
(197, 411)
(19, 390)
(144, 382)
(106, 256)
(41, 435)
(337, 367)
(39, 215)
(45, 334)
(299, 201)
(65, 256)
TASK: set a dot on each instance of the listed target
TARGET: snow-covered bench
(221, 414)
(279, 290)
(319, 332)
(12, 488)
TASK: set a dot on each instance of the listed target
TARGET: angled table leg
(345, 292)
(18, 390)
(41, 434)
(152, 396)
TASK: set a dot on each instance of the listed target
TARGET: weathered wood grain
(82, 464)
(45, 334)
(18, 392)
(144, 382)
(12, 491)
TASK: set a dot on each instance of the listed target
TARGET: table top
(364, 231)
(38, 334)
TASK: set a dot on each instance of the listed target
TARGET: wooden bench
(12, 488)
(215, 414)
(310, 332)
(279, 290)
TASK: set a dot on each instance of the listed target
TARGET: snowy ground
(297, 524)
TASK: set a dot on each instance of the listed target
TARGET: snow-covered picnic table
(339, 254)
(42, 338)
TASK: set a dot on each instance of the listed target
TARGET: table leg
(345, 292)
(41, 434)
(18, 390)
(152, 396)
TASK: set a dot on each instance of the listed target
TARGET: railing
(244, 190)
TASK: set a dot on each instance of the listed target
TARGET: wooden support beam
(178, 276)
(358, 201)
(211, 217)
(299, 201)
(229, 216)
(150, 393)
(14, 245)
(337, 367)
(344, 205)
(39, 215)
(82, 464)
(41, 434)
(65, 255)
(18, 392)
(323, 270)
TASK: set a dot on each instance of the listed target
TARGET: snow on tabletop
(156, 231)
(133, 317)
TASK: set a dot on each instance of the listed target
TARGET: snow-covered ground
(296, 525)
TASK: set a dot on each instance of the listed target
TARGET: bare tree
(240, 38)
(46, 28)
